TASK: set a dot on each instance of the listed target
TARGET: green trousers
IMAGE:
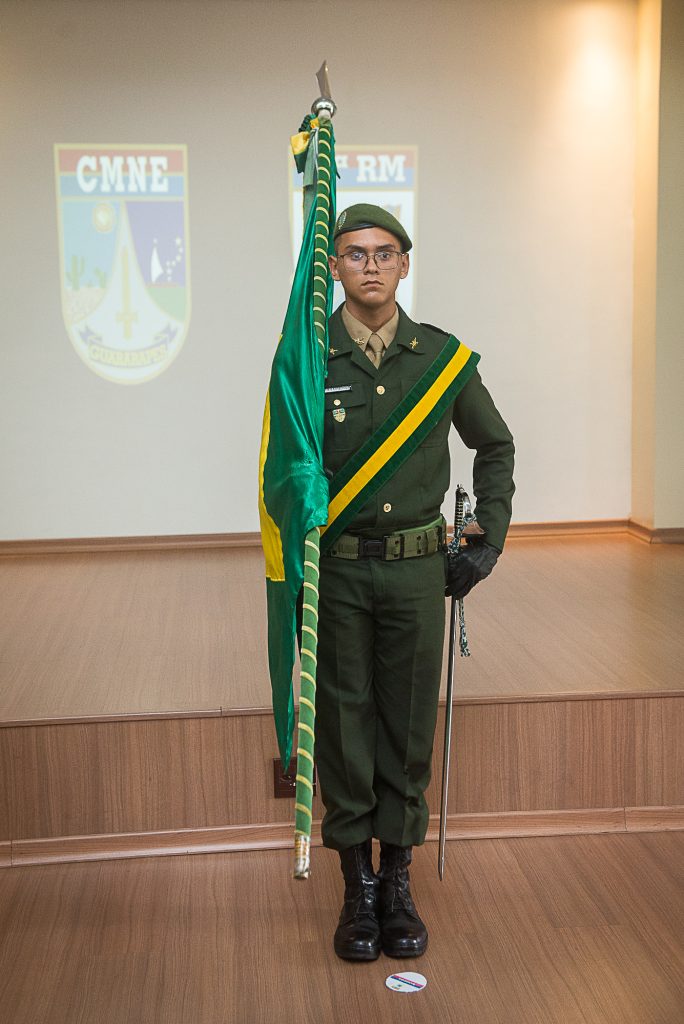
(380, 641)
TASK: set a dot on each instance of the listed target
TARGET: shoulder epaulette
(437, 329)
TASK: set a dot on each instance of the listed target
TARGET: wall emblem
(122, 213)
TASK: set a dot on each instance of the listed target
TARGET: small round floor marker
(407, 981)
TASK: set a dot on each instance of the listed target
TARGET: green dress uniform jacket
(381, 623)
(414, 495)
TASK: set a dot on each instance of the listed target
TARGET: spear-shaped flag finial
(324, 106)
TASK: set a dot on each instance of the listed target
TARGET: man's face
(369, 286)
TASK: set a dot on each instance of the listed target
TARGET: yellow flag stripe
(310, 608)
(305, 728)
(399, 435)
(270, 534)
(303, 779)
(309, 704)
(309, 654)
(304, 810)
(299, 142)
(305, 753)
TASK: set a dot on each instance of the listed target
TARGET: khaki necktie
(374, 349)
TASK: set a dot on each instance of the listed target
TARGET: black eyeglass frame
(373, 256)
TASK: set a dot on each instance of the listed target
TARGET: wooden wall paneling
(659, 752)
(535, 756)
(152, 776)
(145, 776)
(5, 791)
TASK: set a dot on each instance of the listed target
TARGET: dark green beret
(366, 215)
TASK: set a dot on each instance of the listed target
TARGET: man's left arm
(482, 428)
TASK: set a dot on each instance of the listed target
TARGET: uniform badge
(414, 343)
(339, 415)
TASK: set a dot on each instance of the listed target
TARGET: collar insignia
(414, 343)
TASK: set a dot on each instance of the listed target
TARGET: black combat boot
(358, 934)
(403, 932)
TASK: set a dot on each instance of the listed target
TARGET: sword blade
(447, 739)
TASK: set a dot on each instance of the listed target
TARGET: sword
(464, 521)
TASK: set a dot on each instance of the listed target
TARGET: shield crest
(124, 256)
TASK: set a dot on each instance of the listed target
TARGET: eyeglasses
(384, 259)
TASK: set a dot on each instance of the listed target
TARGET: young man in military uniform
(382, 586)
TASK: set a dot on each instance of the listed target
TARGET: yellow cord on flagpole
(309, 645)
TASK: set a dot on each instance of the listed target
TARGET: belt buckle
(396, 553)
(372, 547)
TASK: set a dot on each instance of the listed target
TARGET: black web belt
(413, 543)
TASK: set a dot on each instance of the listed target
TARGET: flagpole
(323, 109)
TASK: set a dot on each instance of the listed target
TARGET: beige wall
(645, 261)
(669, 418)
(658, 424)
(524, 115)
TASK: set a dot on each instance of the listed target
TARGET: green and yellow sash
(398, 437)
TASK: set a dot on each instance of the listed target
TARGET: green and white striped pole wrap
(309, 646)
(307, 707)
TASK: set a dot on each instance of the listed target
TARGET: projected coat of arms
(384, 175)
(124, 256)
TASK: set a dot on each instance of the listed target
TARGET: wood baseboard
(560, 696)
(171, 542)
(174, 542)
(500, 824)
(566, 529)
(240, 838)
(674, 535)
(654, 819)
(227, 839)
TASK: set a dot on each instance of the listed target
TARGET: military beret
(366, 215)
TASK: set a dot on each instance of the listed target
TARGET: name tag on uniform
(338, 388)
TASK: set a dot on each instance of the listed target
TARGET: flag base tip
(302, 863)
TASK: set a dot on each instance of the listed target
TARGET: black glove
(473, 563)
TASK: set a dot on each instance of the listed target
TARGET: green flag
(293, 488)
